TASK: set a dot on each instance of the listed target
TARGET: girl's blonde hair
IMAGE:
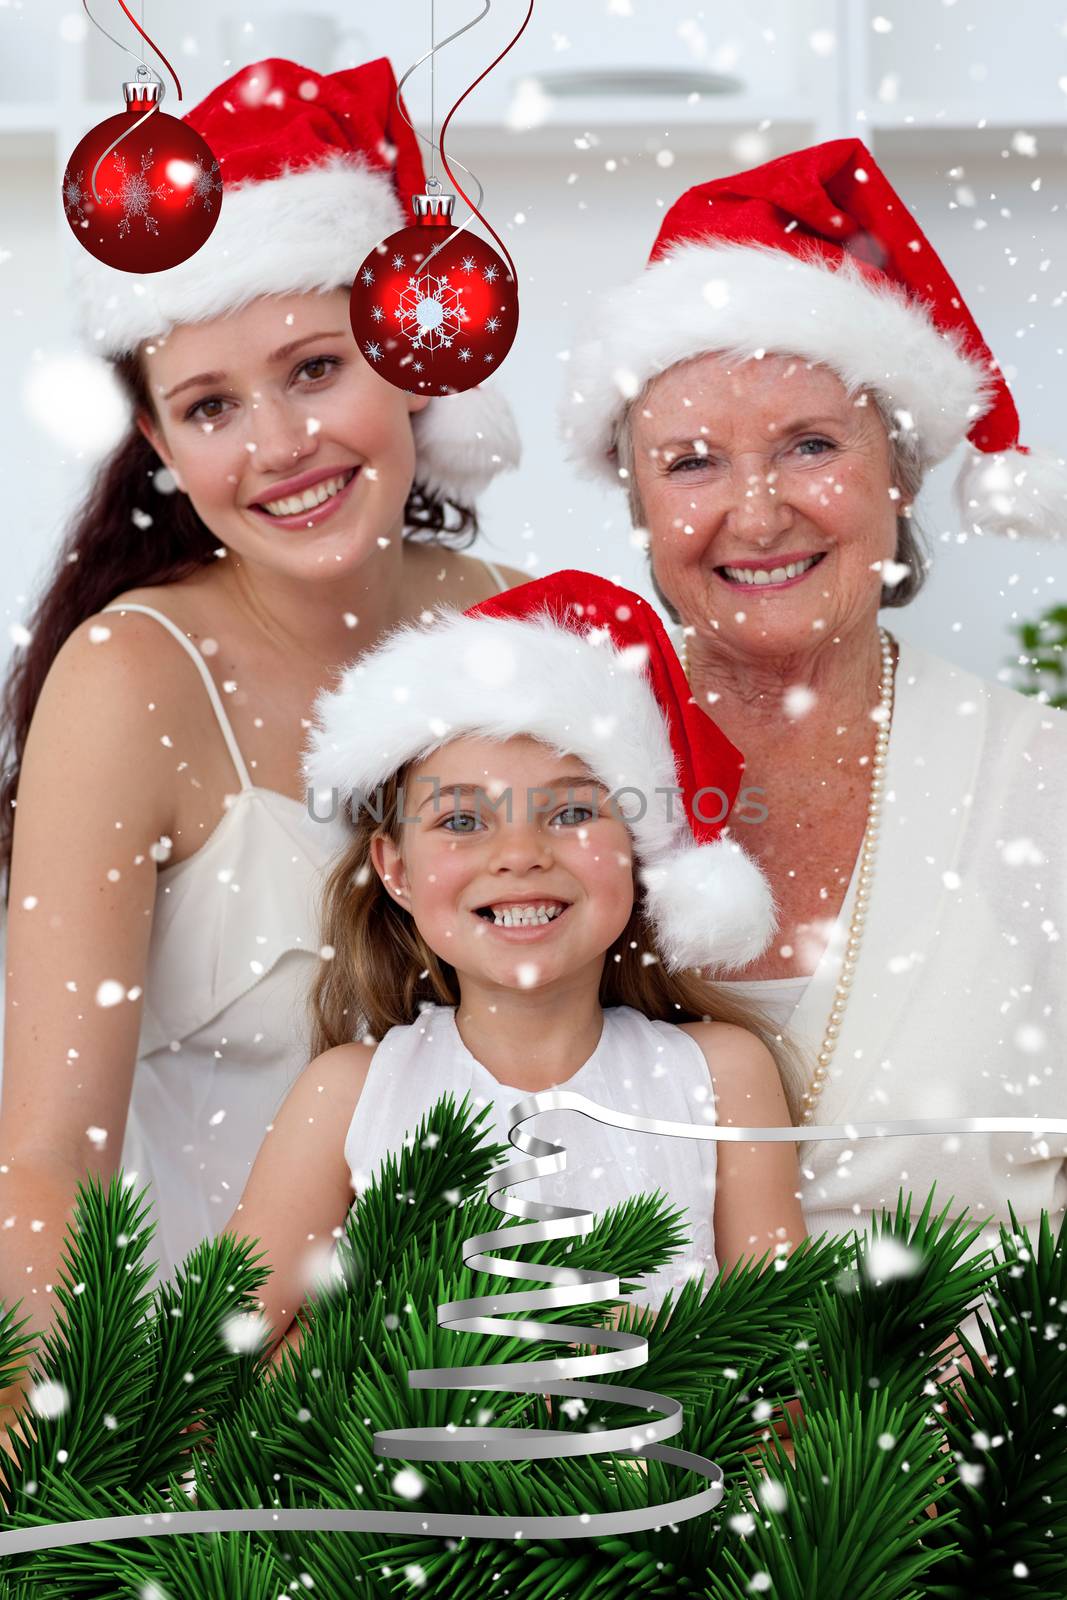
(380, 972)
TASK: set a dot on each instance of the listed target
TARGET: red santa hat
(815, 255)
(315, 171)
(586, 667)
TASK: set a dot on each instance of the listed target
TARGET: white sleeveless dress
(639, 1066)
(225, 1028)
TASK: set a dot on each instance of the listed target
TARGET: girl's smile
(482, 877)
(522, 922)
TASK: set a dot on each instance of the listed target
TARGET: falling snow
(49, 1399)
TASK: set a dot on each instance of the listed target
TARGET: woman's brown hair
(379, 973)
(128, 534)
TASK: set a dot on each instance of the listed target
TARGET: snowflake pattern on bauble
(205, 184)
(430, 312)
(74, 197)
(136, 194)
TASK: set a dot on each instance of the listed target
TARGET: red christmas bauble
(434, 326)
(158, 193)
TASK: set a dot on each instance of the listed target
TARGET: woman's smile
(773, 574)
(325, 497)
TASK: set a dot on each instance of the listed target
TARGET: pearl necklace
(868, 851)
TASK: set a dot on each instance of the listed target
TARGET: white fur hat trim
(498, 677)
(299, 232)
(744, 300)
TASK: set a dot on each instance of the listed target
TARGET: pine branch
(224, 1566)
(881, 1323)
(196, 1373)
(17, 1347)
(1007, 1430)
(698, 1338)
(135, 1370)
(869, 1458)
(849, 1518)
(94, 1353)
(444, 1164)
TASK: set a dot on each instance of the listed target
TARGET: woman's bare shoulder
(112, 663)
(191, 603)
(464, 580)
(138, 642)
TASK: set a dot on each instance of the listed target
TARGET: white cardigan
(959, 1004)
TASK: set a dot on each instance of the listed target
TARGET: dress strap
(209, 683)
(498, 577)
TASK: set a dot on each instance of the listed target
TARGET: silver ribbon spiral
(564, 1376)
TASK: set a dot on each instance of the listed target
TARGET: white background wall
(997, 214)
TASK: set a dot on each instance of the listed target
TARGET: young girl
(165, 870)
(529, 881)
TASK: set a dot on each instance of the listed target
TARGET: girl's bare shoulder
(729, 1048)
(328, 1089)
(345, 1064)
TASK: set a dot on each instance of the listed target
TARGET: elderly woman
(770, 393)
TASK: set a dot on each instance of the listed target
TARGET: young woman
(163, 861)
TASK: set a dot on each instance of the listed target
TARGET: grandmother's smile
(777, 574)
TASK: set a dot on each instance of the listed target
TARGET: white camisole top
(647, 1068)
(225, 1028)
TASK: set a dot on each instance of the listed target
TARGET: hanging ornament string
(126, 49)
(143, 71)
(433, 307)
(433, 95)
(152, 46)
(433, 182)
(444, 129)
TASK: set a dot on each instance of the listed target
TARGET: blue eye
(685, 462)
(328, 362)
(826, 444)
(570, 810)
(456, 816)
